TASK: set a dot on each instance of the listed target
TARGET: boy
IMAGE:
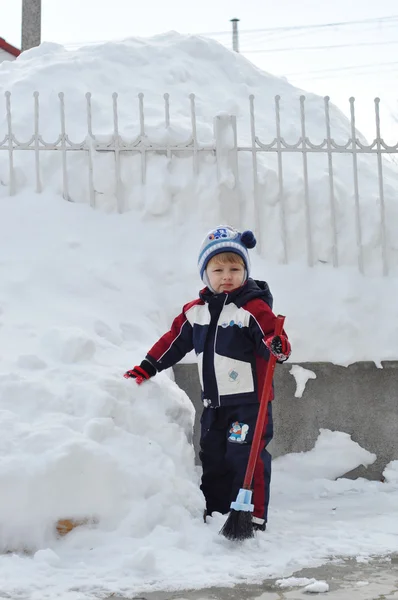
(230, 326)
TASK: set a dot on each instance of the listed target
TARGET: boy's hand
(141, 373)
(279, 346)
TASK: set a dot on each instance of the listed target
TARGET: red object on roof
(8, 48)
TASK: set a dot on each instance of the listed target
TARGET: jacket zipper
(214, 350)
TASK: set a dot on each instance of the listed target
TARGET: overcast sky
(362, 70)
(81, 20)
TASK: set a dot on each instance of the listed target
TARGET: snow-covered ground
(83, 295)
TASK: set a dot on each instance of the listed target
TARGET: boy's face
(225, 276)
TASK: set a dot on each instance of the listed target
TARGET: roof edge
(9, 48)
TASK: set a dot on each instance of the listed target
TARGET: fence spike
(115, 96)
(142, 119)
(89, 114)
(166, 97)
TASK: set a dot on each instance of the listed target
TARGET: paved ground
(347, 580)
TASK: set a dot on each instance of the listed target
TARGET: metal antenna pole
(235, 35)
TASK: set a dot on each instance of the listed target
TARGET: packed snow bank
(129, 276)
(189, 204)
(83, 296)
(222, 82)
(92, 450)
(85, 293)
(78, 440)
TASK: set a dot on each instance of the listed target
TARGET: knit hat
(225, 239)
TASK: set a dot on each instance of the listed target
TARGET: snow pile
(317, 587)
(310, 585)
(222, 82)
(77, 437)
(391, 472)
(174, 199)
(84, 294)
(79, 441)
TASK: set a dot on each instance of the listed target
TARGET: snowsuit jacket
(228, 333)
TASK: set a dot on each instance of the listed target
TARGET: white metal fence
(227, 150)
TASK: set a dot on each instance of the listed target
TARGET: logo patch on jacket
(226, 324)
(233, 375)
(238, 432)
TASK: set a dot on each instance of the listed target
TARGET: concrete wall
(361, 400)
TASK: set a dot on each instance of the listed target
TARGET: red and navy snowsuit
(228, 333)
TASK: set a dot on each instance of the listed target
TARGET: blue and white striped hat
(225, 239)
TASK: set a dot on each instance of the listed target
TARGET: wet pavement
(346, 579)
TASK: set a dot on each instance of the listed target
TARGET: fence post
(116, 148)
(307, 204)
(256, 200)
(383, 234)
(39, 187)
(90, 144)
(358, 224)
(63, 147)
(10, 136)
(332, 200)
(281, 192)
(225, 134)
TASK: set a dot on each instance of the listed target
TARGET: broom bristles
(238, 526)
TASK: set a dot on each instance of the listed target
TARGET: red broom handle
(265, 396)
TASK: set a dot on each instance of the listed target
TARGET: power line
(352, 74)
(339, 69)
(257, 39)
(296, 30)
(369, 28)
(307, 27)
(295, 48)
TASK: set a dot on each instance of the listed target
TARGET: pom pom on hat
(247, 238)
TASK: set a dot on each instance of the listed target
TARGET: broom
(238, 525)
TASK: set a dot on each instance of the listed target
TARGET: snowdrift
(222, 82)
(84, 294)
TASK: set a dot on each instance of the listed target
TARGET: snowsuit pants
(224, 454)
